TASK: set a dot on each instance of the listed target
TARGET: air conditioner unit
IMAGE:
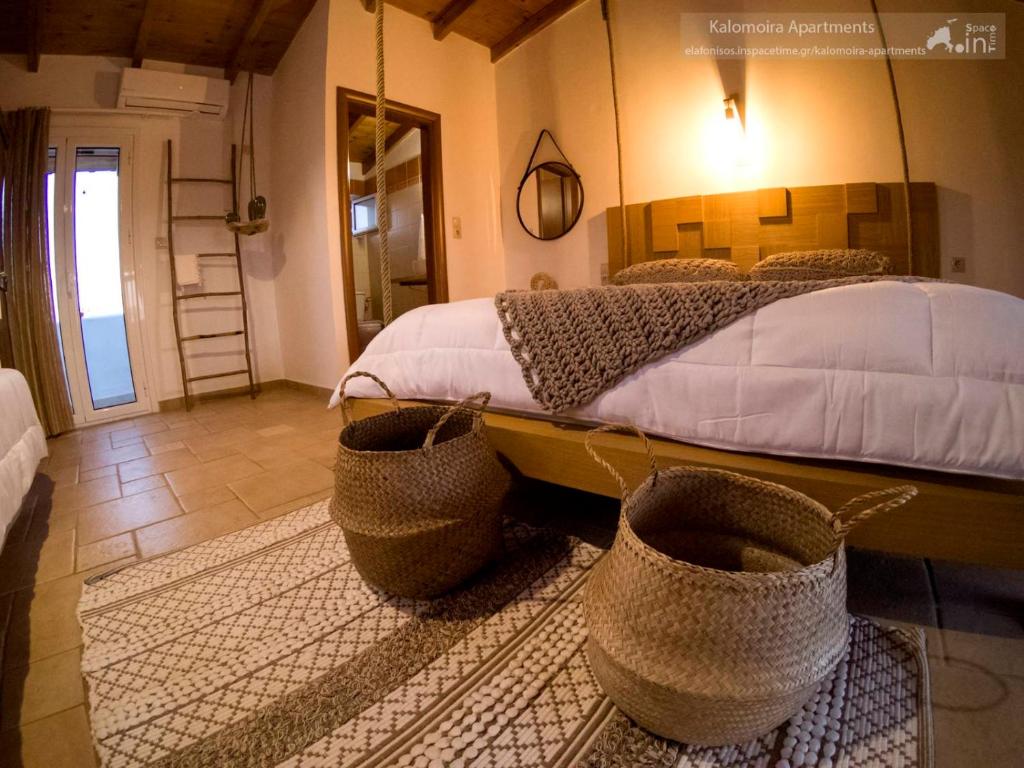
(151, 90)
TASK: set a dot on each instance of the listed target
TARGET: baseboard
(312, 389)
(178, 403)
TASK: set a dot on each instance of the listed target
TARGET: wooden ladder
(177, 298)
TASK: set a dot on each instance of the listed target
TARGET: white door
(93, 265)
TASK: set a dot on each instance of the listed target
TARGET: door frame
(355, 102)
(67, 137)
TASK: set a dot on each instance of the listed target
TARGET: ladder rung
(198, 180)
(211, 335)
(218, 375)
(197, 218)
(207, 294)
(212, 255)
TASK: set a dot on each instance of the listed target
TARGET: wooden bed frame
(955, 517)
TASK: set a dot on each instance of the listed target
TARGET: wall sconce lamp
(734, 136)
(732, 110)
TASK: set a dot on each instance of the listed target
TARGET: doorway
(415, 202)
(89, 191)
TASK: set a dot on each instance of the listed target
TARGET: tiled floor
(115, 493)
(111, 494)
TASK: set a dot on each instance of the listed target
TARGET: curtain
(24, 241)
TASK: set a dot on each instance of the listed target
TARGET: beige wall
(312, 349)
(202, 145)
(809, 122)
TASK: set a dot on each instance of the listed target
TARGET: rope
(902, 137)
(607, 15)
(382, 187)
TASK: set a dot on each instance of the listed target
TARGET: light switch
(457, 227)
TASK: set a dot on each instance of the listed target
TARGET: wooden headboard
(745, 227)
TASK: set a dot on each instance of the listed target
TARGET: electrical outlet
(959, 264)
(161, 242)
(457, 227)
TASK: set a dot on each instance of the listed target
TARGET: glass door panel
(92, 263)
(98, 277)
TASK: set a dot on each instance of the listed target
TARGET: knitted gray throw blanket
(573, 345)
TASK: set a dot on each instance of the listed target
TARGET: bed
(834, 393)
(22, 445)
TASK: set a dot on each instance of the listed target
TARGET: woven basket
(418, 494)
(722, 603)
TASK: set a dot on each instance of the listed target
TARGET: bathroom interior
(406, 243)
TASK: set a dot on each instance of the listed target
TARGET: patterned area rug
(265, 648)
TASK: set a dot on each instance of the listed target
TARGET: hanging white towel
(186, 267)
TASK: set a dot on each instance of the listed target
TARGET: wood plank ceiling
(237, 35)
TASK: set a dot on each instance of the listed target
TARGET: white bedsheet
(927, 375)
(22, 445)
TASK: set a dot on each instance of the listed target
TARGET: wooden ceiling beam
(242, 55)
(534, 24)
(448, 15)
(145, 28)
(34, 49)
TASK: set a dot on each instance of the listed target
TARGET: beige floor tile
(212, 474)
(139, 430)
(46, 523)
(291, 506)
(66, 475)
(208, 497)
(277, 429)
(143, 484)
(175, 434)
(63, 453)
(86, 494)
(186, 530)
(277, 486)
(62, 740)
(175, 419)
(97, 459)
(104, 551)
(43, 622)
(95, 474)
(270, 457)
(32, 561)
(324, 455)
(156, 450)
(224, 439)
(977, 709)
(156, 464)
(217, 452)
(44, 688)
(126, 514)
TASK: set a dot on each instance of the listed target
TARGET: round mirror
(550, 200)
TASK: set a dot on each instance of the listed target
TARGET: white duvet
(22, 445)
(927, 375)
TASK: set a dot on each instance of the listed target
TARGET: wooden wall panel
(752, 225)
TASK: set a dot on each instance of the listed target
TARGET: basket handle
(627, 428)
(462, 405)
(843, 524)
(346, 412)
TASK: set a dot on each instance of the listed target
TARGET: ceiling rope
(902, 139)
(382, 186)
(624, 222)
